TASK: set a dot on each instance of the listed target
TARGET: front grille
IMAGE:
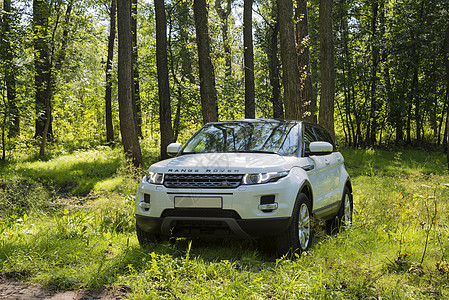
(201, 213)
(207, 181)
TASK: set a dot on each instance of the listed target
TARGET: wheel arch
(348, 184)
(306, 189)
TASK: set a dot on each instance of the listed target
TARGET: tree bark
(446, 63)
(278, 109)
(303, 49)
(162, 77)
(293, 107)
(208, 93)
(10, 78)
(128, 121)
(250, 104)
(42, 66)
(327, 99)
(372, 127)
(224, 15)
(108, 92)
(61, 52)
(136, 80)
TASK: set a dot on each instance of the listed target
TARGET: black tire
(145, 239)
(343, 219)
(298, 237)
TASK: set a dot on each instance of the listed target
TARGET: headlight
(263, 177)
(155, 178)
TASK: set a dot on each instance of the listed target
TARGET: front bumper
(212, 226)
(237, 215)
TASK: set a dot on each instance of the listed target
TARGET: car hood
(224, 163)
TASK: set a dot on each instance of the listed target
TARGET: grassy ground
(67, 223)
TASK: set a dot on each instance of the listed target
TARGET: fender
(305, 188)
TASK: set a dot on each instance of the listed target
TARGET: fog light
(144, 205)
(268, 207)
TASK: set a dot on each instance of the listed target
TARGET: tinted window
(309, 136)
(243, 137)
(323, 135)
(290, 146)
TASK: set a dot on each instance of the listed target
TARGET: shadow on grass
(369, 162)
(77, 178)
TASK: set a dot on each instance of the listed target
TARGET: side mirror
(320, 147)
(174, 148)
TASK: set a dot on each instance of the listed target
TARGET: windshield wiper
(255, 151)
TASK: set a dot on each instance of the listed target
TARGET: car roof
(256, 121)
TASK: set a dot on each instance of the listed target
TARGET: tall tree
(9, 70)
(327, 99)
(224, 13)
(136, 81)
(293, 107)
(42, 66)
(250, 104)
(372, 126)
(303, 48)
(278, 109)
(108, 92)
(128, 122)
(162, 77)
(208, 92)
(446, 63)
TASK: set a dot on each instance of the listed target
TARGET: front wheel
(298, 237)
(145, 238)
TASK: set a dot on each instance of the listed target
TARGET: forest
(88, 73)
(93, 91)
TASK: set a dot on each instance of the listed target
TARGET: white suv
(247, 178)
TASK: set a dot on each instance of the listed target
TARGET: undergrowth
(68, 223)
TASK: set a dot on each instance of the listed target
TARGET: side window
(309, 136)
(291, 142)
(323, 135)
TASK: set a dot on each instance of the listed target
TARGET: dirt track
(10, 289)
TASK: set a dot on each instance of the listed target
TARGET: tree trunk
(293, 107)
(128, 121)
(250, 105)
(60, 55)
(206, 69)
(327, 99)
(278, 110)
(136, 80)
(372, 126)
(303, 49)
(349, 105)
(9, 75)
(224, 15)
(42, 66)
(108, 93)
(162, 77)
(446, 63)
(5, 119)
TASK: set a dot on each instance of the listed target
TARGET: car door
(315, 169)
(331, 171)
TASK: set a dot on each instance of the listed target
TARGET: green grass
(67, 223)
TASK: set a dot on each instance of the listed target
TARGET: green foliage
(396, 249)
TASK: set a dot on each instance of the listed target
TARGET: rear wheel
(343, 219)
(298, 237)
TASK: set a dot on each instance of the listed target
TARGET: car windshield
(254, 137)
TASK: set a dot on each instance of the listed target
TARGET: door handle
(308, 167)
(327, 162)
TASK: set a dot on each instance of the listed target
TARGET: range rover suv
(247, 178)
